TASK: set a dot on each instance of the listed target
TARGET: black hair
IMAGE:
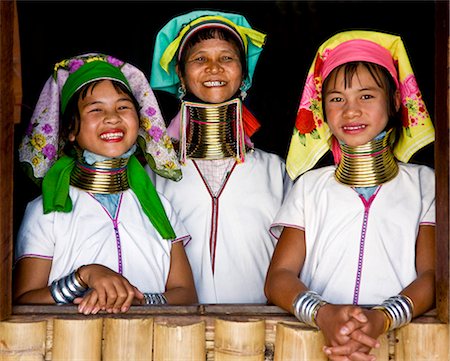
(382, 78)
(213, 33)
(70, 120)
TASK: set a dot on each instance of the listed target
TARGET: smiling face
(212, 70)
(356, 110)
(109, 121)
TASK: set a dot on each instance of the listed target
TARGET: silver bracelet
(155, 299)
(306, 305)
(400, 310)
(67, 288)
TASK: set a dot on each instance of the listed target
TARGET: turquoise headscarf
(164, 76)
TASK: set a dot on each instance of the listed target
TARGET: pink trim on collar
(359, 50)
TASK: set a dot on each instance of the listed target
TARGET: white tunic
(127, 242)
(231, 247)
(359, 251)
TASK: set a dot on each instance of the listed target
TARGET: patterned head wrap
(174, 34)
(42, 145)
(311, 137)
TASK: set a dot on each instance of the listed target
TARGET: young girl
(99, 236)
(360, 233)
(230, 191)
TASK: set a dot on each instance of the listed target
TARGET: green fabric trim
(151, 204)
(87, 73)
(55, 193)
(55, 186)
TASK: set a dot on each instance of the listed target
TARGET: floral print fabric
(311, 135)
(41, 145)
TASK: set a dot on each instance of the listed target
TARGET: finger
(101, 298)
(346, 349)
(364, 339)
(88, 303)
(361, 356)
(122, 296)
(350, 326)
(111, 297)
(138, 294)
(128, 301)
(359, 315)
(125, 296)
(333, 357)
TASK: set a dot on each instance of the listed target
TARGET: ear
(397, 100)
(177, 69)
(71, 137)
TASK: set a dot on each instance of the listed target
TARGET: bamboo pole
(239, 340)
(20, 341)
(294, 341)
(127, 339)
(175, 342)
(422, 342)
(77, 339)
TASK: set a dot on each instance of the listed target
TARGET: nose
(112, 117)
(214, 67)
(351, 109)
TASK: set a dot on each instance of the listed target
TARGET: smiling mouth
(353, 127)
(111, 136)
(215, 83)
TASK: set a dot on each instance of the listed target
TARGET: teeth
(109, 136)
(354, 127)
(213, 83)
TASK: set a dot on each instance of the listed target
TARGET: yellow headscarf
(311, 136)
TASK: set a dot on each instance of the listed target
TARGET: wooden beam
(441, 157)
(6, 153)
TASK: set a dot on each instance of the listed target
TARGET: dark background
(54, 30)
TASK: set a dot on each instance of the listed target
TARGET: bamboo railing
(195, 333)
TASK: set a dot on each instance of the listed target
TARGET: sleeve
(291, 213)
(181, 233)
(35, 236)
(427, 184)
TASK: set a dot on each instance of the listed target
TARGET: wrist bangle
(66, 289)
(398, 309)
(79, 279)
(387, 318)
(154, 299)
(306, 305)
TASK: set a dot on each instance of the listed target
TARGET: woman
(230, 191)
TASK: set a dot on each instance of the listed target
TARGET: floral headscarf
(42, 145)
(311, 137)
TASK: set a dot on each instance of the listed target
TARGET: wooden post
(422, 342)
(296, 342)
(22, 341)
(77, 339)
(442, 159)
(128, 339)
(239, 340)
(6, 153)
(174, 342)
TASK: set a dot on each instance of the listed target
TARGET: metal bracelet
(155, 299)
(399, 309)
(306, 305)
(67, 288)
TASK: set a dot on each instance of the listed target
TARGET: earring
(181, 91)
(243, 88)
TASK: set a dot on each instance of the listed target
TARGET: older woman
(230, 191)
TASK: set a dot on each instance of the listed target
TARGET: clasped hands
(350, 331)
